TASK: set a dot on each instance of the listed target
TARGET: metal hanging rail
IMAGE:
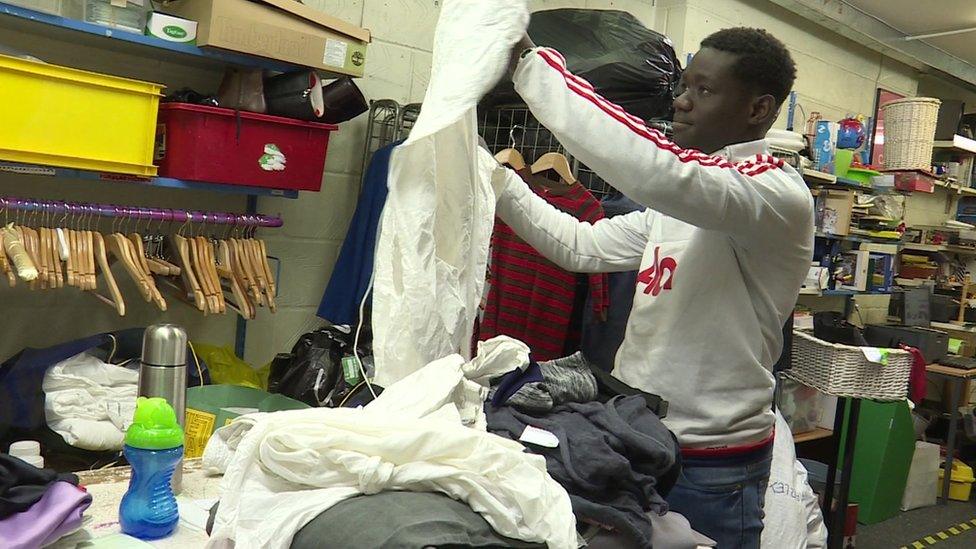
(139, 212)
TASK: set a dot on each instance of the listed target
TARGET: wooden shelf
(16, 18)
(816, 434)
(956, 188)
(924, 247)
(818, 177)
(957, 144)
(961, 250)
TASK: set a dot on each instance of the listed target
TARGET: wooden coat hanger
(263, 250)
(115, 296)
(210, 269)
(56, 257)
(5, 268)
(226, 271)
(88, 259)
(203, 266)
(241, 256)
(118, 245)
(180, 248)
(252, 254)
(43, 259)
(138, 253)
(31, 240)
(557, 163)
(511, 157)
(72, 264)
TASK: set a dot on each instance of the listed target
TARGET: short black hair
(764, 62)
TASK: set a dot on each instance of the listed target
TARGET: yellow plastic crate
(59, 116)
(960, 481)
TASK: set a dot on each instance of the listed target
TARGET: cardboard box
(856, 268)
(284, 30)
(834, 209)
(824, 146)
(172, 29)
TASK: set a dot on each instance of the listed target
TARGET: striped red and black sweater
(529, 297)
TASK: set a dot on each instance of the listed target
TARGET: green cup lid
(154, 426)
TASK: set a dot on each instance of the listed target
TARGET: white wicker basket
(843, 370)
(909, 133)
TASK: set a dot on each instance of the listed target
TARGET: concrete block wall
(836, 76)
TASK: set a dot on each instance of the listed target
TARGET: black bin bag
(625, 61)
(310, 372)
(313, 371)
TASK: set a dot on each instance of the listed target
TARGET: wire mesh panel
(389, 121)
(515, 127)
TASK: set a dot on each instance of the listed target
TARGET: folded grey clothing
(401, 519)
(567, 379)
(609, 458)
(671, 531)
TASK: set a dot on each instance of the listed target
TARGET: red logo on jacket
(659, 275)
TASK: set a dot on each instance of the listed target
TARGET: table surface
(950, 371)
(107, 486)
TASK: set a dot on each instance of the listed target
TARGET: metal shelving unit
(16, 18)
(73, 30)
(168, 182)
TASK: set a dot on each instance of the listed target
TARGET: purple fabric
(57, 514)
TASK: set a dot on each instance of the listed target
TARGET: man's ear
(764, 110)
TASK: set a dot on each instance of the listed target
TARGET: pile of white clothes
(425, 433)
(793, 519)
(89, 402)
(432, 250)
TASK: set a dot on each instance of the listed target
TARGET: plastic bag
(625, 61)
(312, 370)
(226, 368)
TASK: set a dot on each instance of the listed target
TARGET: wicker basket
(843, 370)
(909, 133)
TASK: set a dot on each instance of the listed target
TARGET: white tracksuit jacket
(722, 252)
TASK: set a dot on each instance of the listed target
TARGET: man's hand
(525, 43)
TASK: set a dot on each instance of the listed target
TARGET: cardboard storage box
(834, 209)
(277, 29)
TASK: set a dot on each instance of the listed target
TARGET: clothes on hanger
(432, 253)
(602, 336)
(609, 458)
(354, 267)
(425, 433)
(531, 298)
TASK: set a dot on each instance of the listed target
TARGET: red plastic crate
(216, 145)
(914, 181)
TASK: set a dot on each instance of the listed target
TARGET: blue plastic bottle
(153, 446)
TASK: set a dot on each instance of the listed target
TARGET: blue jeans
(723, 497)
